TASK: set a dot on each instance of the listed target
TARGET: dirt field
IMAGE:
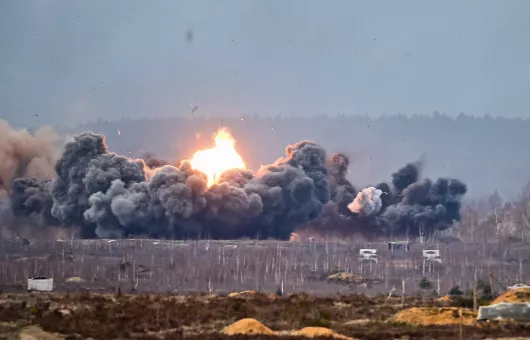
(116, 316)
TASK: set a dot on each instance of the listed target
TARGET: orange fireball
(223, 156)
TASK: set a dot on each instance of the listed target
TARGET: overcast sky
(72, 61)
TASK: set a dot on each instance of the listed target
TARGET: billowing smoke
(409, 207)
(367, 202)
(341, 190)
(23, 154)
(26, 167)
(108, 195)
(111, 195)
(31, 198)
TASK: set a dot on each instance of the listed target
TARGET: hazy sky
(72, 61)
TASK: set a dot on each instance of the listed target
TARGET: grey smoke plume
(341, 190)
(25, 154)
(31, 198)
(367, 202)
(426, 206)
(109, 195)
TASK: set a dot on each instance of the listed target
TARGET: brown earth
(516, 295)
(437, 316)
(162, 316)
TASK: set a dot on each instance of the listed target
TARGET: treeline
(495, 219)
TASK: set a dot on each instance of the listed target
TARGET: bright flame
(223, 156)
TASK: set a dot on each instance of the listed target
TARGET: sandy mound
(313, 332)
(446, 298)
(516, 295)
(436, 316)
(247, 327)
(75, 279)
(243, 293)
(346, 278)
(36, 333)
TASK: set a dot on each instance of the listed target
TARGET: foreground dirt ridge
(202, 316)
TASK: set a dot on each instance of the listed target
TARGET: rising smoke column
(23, 154)
(342, 192)
(86, 168)
(404, 177)
(426, 207)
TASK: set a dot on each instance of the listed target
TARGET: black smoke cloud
(111, 195)
(108, 195)
(407, 207)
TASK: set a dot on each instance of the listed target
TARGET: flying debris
(119, 133)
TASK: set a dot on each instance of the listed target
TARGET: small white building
(368, 254)
(41, 284)
(432, 255)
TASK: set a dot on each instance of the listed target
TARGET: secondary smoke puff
(426, 206)
(25, 155)
(368, 202)
(404, 177)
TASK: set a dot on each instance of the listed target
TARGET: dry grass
(315, 332)
(436, 316)
(516, 295)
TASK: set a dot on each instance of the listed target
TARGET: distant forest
(488, 154)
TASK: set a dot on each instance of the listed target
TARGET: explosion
(223, 156)
(213, 194)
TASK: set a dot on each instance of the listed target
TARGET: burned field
(222, 267)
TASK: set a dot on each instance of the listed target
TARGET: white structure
(42, 284)
(505, 310)
(518, 286)
(368, 255)
(432, 255)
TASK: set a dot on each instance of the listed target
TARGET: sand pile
(436, 316)
(247, 327)
(516, 295)
(446, 298)
(313, 332)
(254, 327)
